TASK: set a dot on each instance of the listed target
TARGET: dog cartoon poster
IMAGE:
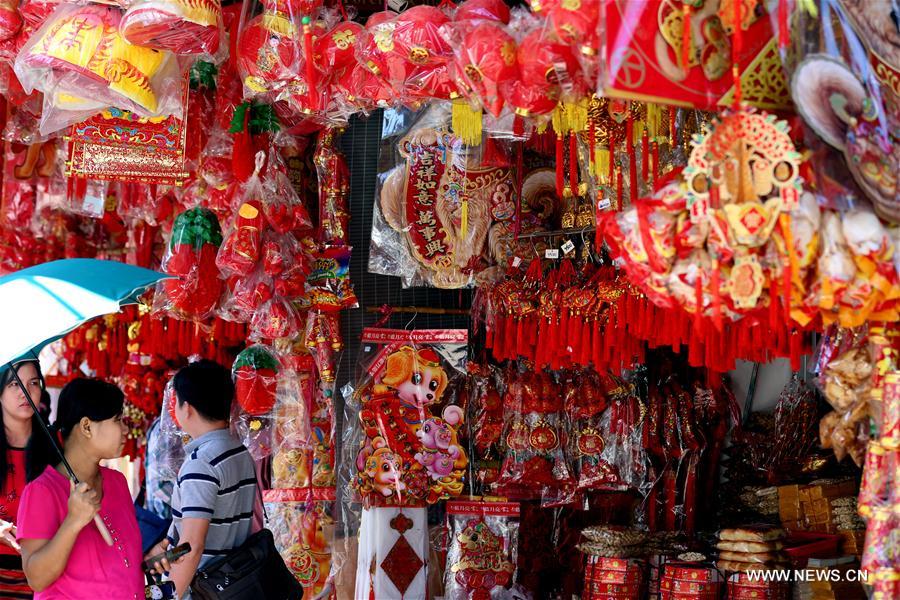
(408, 451)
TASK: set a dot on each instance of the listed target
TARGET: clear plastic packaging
(303, 528)
(179, 26)
(483, 548)
(191, 258)
(102, 70)
(257, 373)
(403, 452)
(437, 204)
(534, 436)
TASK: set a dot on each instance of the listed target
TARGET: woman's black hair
(38, 451)
(95, 399)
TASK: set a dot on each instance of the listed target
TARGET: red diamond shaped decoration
(402, 564)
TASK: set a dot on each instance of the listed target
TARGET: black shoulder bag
(252, 571)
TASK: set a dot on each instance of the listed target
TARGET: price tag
(603, 203)
(516, 261)
(568, 247)
(551, 253)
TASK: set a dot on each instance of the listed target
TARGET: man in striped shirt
(212, 505)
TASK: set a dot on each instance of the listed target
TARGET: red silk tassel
(560, 166)
(518, 126)
(592, 144)
(698, 302)
(645, 155)
(685, 36)
(716, 298)
(736, 49)
(655, 162)
(773, 303)
(310, 64)
(619, 189)
(611, 169)
(632, 158)
(573, 163)
(672, 126)
(784, 34)
(520, 159)
(786, 288)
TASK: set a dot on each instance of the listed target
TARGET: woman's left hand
(8, 535)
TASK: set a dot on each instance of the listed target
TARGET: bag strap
(257, 475)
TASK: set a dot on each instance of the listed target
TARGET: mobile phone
(172, 554)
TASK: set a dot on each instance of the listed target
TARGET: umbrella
(41, 304)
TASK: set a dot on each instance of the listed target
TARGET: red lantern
(269, 53)
(175, 26)
(487, 61)
(487, 10)
(336, 50)
(420, 55)
(544, 61)
(531, 100)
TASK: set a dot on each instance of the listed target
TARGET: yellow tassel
(464, 220)
(601, 163)
(654, 113)
(637, 132)
(466, 122)
(540, 128)
(559, 119)
(577, 115)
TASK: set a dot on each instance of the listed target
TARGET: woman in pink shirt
(63, 554)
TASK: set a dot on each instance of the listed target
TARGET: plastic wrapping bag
(439, 209)
(303, 529)
(102, 70)
(191, 258)
(403, 453)
(484, 413)
(179, 26)
(483, 540)
(282, 206)
(534, 436)
(257, 373)
(242, 247)
(165, 455)
(328, 285)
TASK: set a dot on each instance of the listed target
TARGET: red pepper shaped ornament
(255, 372)
(191, 257)
(241, 250)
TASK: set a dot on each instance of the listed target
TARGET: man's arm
(193, 532)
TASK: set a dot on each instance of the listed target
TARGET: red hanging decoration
(560, 165)
(685, 35)
(784, 34)
(573, 164)
(737, 48)
(645, 155)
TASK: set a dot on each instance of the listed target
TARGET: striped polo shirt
(216, 482)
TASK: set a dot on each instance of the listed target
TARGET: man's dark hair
(206, 385)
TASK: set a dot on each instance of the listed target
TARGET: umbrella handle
(104, 531)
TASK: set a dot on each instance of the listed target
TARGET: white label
(568, 247)
(603, 203)
(551, 253)
(93, 205)
(367, 349)
(516, 261)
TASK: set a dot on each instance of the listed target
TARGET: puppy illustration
(417, 377)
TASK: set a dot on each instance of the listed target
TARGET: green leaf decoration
(237, 121)
(195, 227)
(203, 75)
(256, 357)
(263, 119)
